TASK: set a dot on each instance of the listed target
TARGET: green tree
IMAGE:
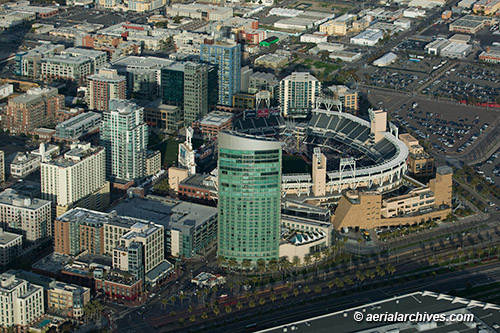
(317, 289)
(262, 301)
(261, 267)
(181, 321)
(228, 309)
(272, 297)
(307, 289)
(348, 281)
(239, 305)
(221, 261)
(204, 316)
(232, 263)
(216, 310)
(295, 292)
(246, 264)
(380, 271)
(164, 303)
(296, 263)
(329, 284)
(339, 283)
(192, 318)
(251, 303)
(360, 276)
(390, 269)
(284, 294)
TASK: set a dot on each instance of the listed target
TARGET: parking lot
(477, 83)
(447, 125)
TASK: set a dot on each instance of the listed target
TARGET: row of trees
(253, 298)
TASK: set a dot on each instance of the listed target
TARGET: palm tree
(216, 310)
(339, 283)
(221, 261)
(307, 260)
(272, 297)
(369, 274)
(273, 266)
(190, 308)
(296, 263)
(251, 303)
(239, 305)
(261, 267)
(307, 289)
(181, 321)
(295, 292)
(246, 264)
(283, 263)
(360, 276)
(232, 263)
(214, 292)
(192, 318)
(330, 284)
(172, 313)
(164, 303)
(317, 289)
(380, 271)
(172, 299)
(262, 301)
(228, 309)
(390, 269)
(317, 257)
(284, 295)
(181, 297)
(204, 315)
(348, 281)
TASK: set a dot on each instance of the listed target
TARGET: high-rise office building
(298, 93)
(226, 55)
(249, 197)
(105, 86)
(190, 86)
(124, 134)
(76, 179)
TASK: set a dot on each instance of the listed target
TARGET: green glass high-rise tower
(249, 197)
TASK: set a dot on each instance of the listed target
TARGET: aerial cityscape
(250, 166)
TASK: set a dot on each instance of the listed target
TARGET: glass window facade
(249, 200)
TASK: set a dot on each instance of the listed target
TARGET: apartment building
(76, 179)
(124, 135)
(298, 93)
(105, 86)
(10, 246)
(31, 217)
(20, 302)
(68, 298)
(33, 109)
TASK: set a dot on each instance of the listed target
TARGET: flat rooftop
(418, 302)
(166, 212)
(216, 118)
(11, 198)
(7, 237)
(53, 262)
